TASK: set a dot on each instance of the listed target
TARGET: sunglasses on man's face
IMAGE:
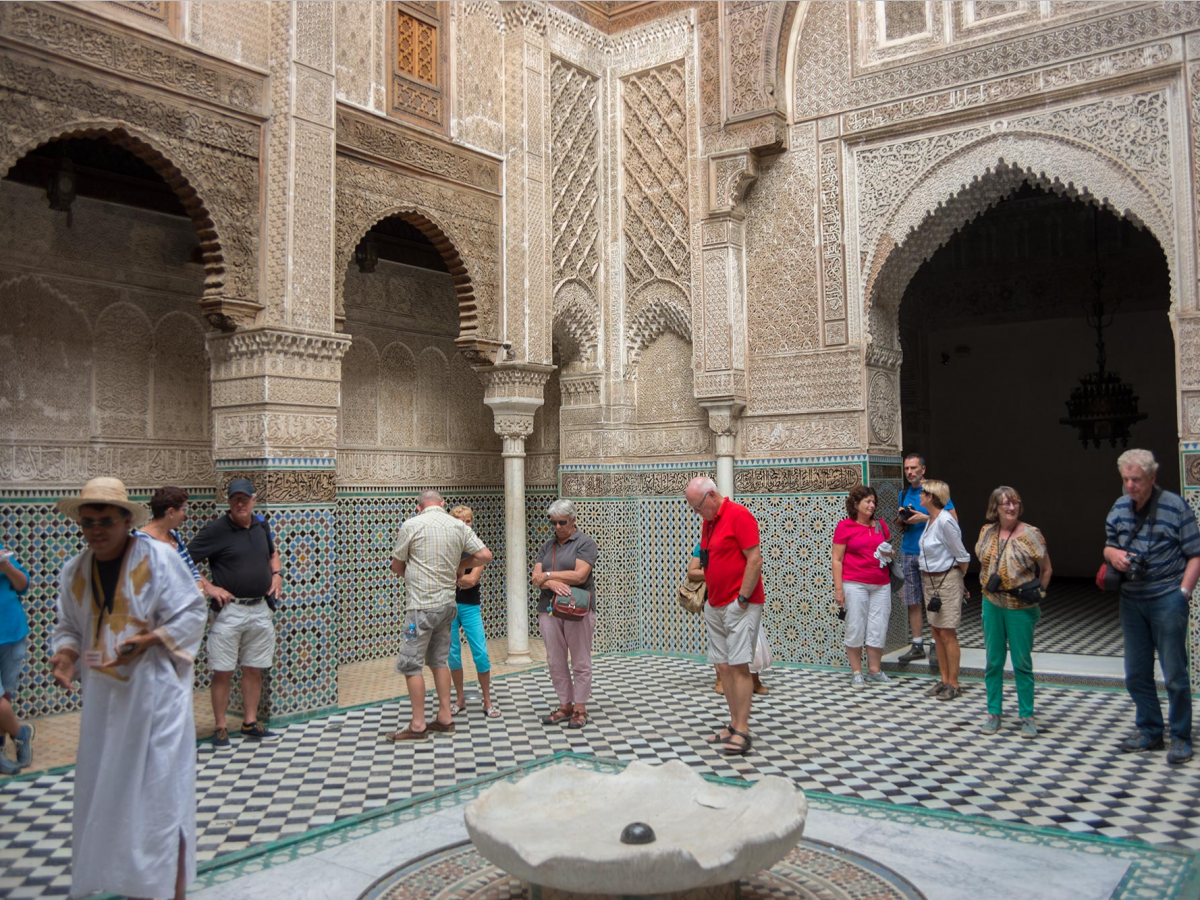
(106, 523)
(559, 521)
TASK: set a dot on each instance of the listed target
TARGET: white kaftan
(135, 780)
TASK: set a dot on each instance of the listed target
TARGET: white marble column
(514, 392)
(722, 419)
(516, 429)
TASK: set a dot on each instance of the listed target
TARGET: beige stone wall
(104, 369)
(236, 30)
(412, 410)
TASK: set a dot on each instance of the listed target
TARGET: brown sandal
(579, 718)
(717, 739)
(558, 716)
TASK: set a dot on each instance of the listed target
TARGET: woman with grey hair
(563, 562)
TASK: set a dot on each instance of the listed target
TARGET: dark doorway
(995, 336)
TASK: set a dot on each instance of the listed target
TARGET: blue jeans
(1158, 624)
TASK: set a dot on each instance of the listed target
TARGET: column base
(518, 659)
(730, 891)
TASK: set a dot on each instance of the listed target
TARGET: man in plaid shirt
(433, 549)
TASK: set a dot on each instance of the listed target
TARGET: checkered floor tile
(1076, 618)
(887, 743)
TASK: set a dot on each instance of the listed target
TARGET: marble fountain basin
(561, 828)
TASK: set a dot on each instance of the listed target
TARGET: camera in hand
(906, 513)
(1138, 565)
(934, 604)
(841, 613)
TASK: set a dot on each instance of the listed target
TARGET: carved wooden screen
(417, 92)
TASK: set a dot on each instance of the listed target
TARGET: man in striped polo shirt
(1154, 543)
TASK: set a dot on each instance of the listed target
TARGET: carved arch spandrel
(660, 312)
(463, 225)
(939, 202)
(174, 170)
(576, 325)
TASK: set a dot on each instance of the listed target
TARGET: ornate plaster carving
(820, 433)
(796, 479)
(729, 178)
(463, 225)
(280, 486)
(209, 159)
(1116, 150)
(810, 382)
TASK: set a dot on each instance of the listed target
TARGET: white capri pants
(868, 608)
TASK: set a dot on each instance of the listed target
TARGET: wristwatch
(742, 599)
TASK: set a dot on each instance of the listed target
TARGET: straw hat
(104, 492)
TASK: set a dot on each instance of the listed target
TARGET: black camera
(993, 583)
(906, 513)
(1138, 565)
(841, 613)
(934, 603)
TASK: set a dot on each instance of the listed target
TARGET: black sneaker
(255, 732)
(220, 739)
(917, 652)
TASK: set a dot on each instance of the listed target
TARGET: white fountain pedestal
(559, 830)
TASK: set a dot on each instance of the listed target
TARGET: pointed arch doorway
(995, 333)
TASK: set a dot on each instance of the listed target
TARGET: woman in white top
(943, 560)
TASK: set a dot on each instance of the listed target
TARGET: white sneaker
(857, 681)
(877, 678)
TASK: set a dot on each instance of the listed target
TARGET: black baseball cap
(241, 486)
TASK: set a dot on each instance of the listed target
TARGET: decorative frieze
(635, 483)
(281, 486)
(361, 468)
(803, 434)
(819, 479)
(76, 464)
(51, 28)
(417, 150)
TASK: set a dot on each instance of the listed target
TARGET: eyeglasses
(696, 506)
(106, 522)
(559, 521)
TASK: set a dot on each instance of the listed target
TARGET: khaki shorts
(242, 636)
(732, 632)
(950, 588)
(431, 646)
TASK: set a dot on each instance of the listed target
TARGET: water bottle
(410, 633)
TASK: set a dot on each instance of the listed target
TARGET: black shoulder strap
(1149, 511)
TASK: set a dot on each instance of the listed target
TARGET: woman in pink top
(861, 583)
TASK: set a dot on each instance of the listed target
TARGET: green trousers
(1005, 631)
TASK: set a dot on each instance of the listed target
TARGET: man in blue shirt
(913, 523)
(14, 637)
(1153, 541)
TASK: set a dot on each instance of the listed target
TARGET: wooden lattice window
(417, 92)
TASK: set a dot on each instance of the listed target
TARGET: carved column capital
(723, 420)
(730, 176)
(514, 391)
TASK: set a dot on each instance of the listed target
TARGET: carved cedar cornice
(165, 64)
(525, 14)
(884, 357)
(425, 152)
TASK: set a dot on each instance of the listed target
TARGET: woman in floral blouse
(1015, 570)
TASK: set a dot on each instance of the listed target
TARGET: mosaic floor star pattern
(888, 743)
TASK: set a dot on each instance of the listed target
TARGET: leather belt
(247, 601)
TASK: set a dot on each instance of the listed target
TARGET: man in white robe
(130, 621)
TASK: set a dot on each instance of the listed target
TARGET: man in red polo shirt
(732, 568)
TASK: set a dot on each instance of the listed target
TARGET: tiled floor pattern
(1076, 618)
(56, 740)
(890, 744)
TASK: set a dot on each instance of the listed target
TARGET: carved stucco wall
(105, 371)
(232, 29)
(478, 95)
(209, 157)
(412, 409)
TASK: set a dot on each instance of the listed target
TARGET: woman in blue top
(14, 640)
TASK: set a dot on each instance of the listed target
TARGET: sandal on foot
(491, 712)
(732, 749)
(406, 735)
(717, 738)
(578, 720)
(558, 716)
(457, 708)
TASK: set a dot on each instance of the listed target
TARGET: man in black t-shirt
(247, 581)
